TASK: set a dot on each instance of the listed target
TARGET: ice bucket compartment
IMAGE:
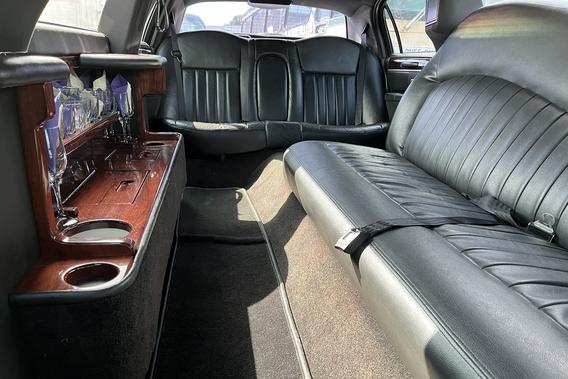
(97, 231)
(91, 275)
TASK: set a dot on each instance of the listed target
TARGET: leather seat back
(212, 74)
(330, 66)
(490, 118)
(278, 81)
(229, 79)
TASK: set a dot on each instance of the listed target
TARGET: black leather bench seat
(480, 289)
(242, 95)
(486, 117)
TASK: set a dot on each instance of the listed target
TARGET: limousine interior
(284, 189)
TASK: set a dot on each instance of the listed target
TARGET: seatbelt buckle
(176, 54)
(352, 241)
(544, 227)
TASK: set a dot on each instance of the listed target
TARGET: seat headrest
(209, 49)
(522, 43)
(330, 55)
(442, 17)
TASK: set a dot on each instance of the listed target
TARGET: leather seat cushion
(388, 186)
(218, 139)
(428, 286)
(532, 267)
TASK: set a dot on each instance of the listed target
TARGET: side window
(408, 16)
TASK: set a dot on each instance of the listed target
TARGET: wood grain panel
(124, 186)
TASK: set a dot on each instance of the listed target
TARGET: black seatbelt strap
(176, 53)
(357, 238)
(361, 76)
(496, 208)
(542, 227)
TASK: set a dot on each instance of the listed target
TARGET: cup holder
(97, 231)
(91, 275)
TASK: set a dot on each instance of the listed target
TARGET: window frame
(381, 22)
(388, 12)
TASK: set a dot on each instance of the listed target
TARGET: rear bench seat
(486, 117)
(243, 95)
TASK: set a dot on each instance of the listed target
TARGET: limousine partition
(94, 297)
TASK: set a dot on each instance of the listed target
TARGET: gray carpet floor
(225, 316)
(340, 337)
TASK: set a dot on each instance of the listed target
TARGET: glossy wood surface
(49, 275)
(148, 83)
(35, 106)
(124, 186)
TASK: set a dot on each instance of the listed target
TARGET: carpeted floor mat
(224, 314)
(339, 335)
(228, 314)
(223, 215)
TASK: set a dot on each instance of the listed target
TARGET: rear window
(240, 17)
(84, 14)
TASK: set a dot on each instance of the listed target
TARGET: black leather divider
(272, 88)
(122, 61)
(20, 70)
(109, 333)
(280, 135)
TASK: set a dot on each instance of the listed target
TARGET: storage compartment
(91, 275)
(97, 231)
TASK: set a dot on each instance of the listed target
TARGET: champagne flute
(57, 162)
(125, 112)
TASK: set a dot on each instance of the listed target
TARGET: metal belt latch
(544, 227)
(352, 241)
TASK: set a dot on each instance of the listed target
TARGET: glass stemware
(74, 115)
(125, 112)
(57, 162)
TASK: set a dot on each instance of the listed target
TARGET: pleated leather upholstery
(486, 136)
(532, 267)
(413, 190)
(212, 95)
(487, 116)
(228, 79)
(330, 99)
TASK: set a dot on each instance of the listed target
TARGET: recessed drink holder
(91, 275)
(97, 231)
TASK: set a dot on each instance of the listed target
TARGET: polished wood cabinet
(121, 187)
